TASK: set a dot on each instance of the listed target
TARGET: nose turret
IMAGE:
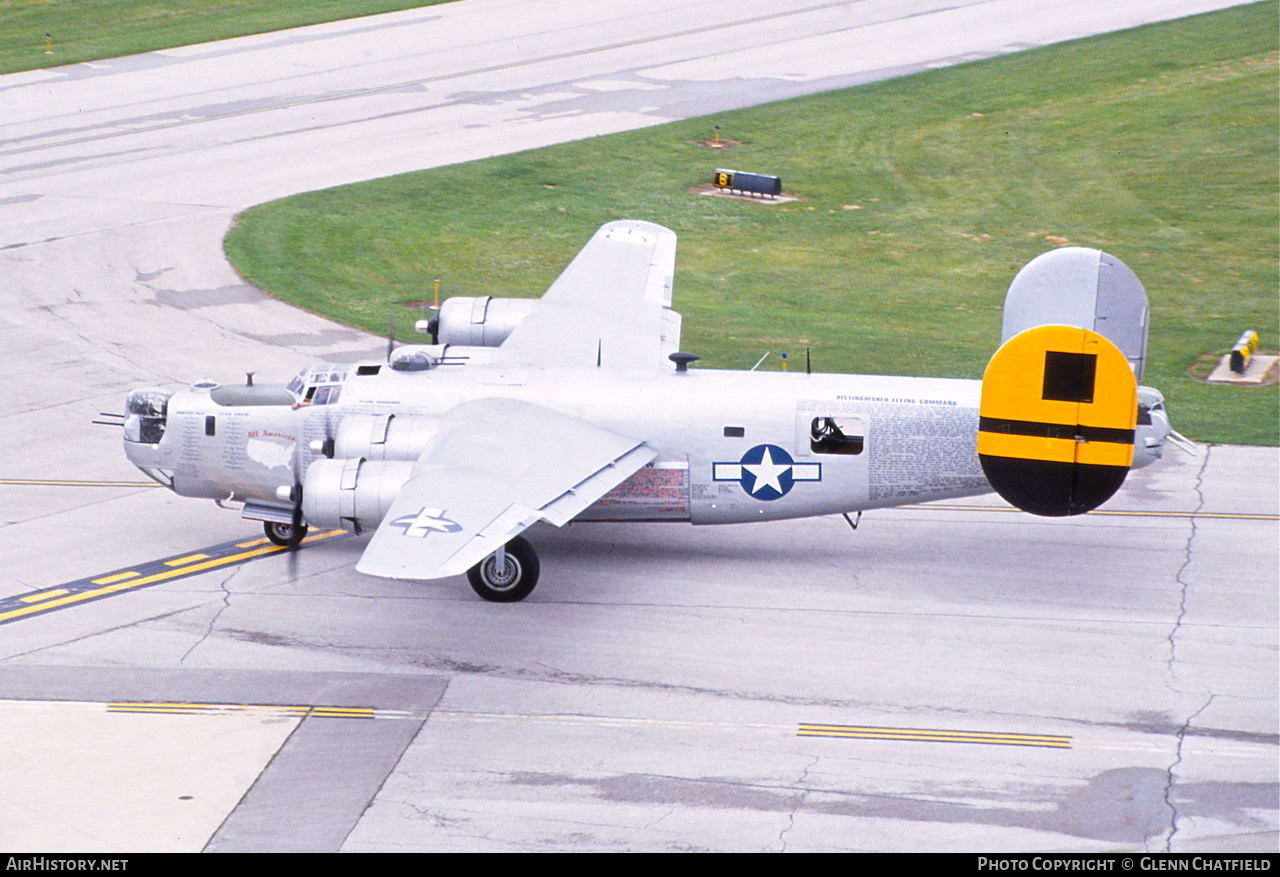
(146, 415)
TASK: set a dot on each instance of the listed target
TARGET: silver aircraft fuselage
(732, 446)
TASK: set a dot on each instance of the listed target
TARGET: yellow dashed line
(179, 567)
(183, 561)
(253, 543)
(118, 577)
(132, 583)
(36, 598)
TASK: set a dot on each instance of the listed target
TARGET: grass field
(89, 30)
(922, 196)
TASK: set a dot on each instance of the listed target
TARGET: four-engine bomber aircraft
(580, 406)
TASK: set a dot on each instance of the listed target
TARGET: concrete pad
(1260, 370)
(80, 777)
(190, 760)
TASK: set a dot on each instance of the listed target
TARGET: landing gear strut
(508, 575)
(285, 535)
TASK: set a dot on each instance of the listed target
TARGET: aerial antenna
(808, 364)
(430, 323)
(760, 360)
(391, 337)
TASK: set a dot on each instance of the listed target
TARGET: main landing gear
(508, 575)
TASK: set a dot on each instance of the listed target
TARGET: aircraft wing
(496, 467)
(609, 308)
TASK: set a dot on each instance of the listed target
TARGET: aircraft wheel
(511, 582)
(285, 535)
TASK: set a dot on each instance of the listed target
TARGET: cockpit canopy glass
(319, 384)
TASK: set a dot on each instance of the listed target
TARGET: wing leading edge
(610, 306)
(496, 467)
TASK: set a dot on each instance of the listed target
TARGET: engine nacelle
(481, 322)
(383, 436)
(352, 494)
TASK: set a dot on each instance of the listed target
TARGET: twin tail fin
(1059, 403)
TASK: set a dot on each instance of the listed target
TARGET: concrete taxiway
(790, 686)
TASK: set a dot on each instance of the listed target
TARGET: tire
(514, 582)
(285, 535)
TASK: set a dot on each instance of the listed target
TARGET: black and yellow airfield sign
(1056, 421)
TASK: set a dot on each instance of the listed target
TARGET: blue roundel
(767, 472)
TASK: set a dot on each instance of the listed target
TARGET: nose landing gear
(285, 535)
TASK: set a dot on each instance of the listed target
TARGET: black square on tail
(1069, 377)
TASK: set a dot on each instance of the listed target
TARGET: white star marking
(766, 472)
(426, 521)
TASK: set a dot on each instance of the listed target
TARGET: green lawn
(922, 196)
(89, 30)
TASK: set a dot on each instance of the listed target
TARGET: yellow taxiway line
(925, 735)
(151, 573)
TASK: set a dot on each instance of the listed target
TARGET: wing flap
(575, 500)
(497, 467)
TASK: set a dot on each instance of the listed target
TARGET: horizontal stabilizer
(1056, 421)
(1074, 286)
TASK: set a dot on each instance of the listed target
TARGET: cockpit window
(318, 385)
